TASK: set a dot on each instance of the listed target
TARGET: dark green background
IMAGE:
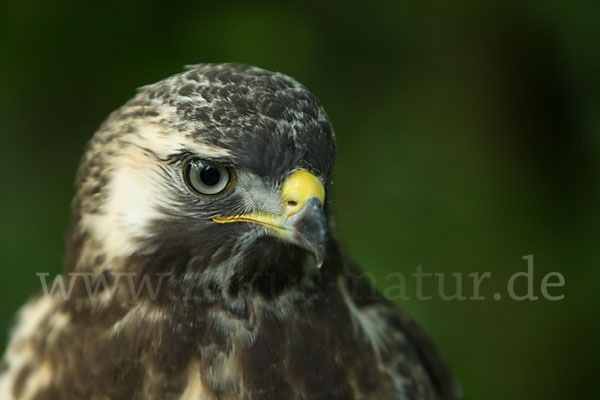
(468, 137)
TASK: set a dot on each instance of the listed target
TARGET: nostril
(292, 203)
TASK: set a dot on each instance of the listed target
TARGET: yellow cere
(298, 188)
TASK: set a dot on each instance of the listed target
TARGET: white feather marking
(224, 372)
(142, 312)
(373, 325)
(137, 188)
(130, 206)
(165, 140)
(41, 377)
(194, 390)
(20, 353)
(368, 320)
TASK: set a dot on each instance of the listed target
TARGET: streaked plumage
(243, 308)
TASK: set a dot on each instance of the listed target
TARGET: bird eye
(207, 179)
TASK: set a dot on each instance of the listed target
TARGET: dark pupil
(210, 176)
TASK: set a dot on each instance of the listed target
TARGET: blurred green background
(468, 137)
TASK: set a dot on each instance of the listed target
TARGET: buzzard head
(215, 176)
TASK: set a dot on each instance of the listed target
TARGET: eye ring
(207, 180)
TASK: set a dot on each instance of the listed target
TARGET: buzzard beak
(303, 222)
(310, 229)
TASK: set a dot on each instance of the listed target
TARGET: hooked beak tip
(310, 226)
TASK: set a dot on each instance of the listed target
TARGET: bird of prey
(201, 262)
